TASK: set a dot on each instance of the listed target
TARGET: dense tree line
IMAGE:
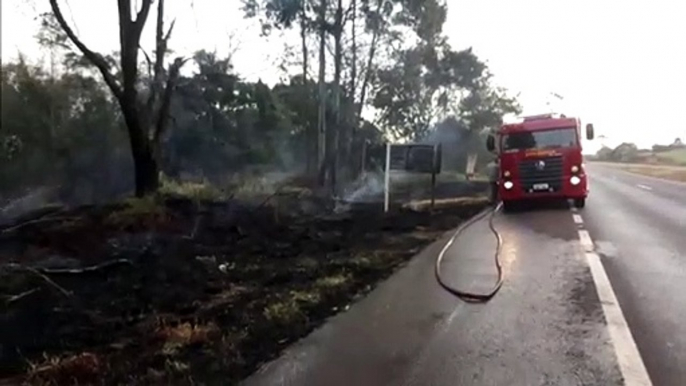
(114, 122)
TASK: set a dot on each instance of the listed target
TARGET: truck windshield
(544, 139)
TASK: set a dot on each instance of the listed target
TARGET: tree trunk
(311, 137)
(321, 128)
(145, 165)
(146, 169)
(370, 63)
(353, 122)
(353, 70)
(334, 159)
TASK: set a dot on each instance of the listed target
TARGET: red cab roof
(540, 122)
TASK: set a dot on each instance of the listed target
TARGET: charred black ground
(173, 291)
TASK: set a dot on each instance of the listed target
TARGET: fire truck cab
(540, 157)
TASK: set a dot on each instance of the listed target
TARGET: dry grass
(185, 334)
(446, 202)
(84, 368)
(332, 282)
(198, 191)
(667, 172)
(284, 312)
(138, 211)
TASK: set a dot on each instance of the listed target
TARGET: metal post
(387, 179)
(433, 177)
(363, 161)
(433, 189)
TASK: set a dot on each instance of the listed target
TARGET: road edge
(628, 356)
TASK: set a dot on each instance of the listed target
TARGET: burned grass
(180, 291)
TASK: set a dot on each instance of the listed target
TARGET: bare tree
(321, 135)
(145, 122)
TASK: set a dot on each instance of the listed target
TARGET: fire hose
(470, 297)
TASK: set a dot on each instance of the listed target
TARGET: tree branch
(14, 298)
(162, 118)
(142, 16)
(169, 32)
(36, 273)
(94, 57)
(147, 60)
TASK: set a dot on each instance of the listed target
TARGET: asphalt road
(547, 326)
(638, 225)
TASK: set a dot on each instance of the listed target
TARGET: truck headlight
(574, 180)
(506, 173)
(575, 169)
(508, 185)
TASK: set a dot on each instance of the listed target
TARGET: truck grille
(547, 170)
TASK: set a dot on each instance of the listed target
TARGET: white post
(387, 179)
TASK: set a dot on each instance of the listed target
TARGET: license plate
(540, 187)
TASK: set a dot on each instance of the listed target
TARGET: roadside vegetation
(165, 219)
(673, 154)
(662, 161)
(674, 173)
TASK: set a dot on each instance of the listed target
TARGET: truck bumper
(567, 191)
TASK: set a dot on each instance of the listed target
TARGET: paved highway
(638, 225)
(594, 297)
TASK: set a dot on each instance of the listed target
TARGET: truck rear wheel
(580, 202)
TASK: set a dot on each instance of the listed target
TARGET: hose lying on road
(468, 296)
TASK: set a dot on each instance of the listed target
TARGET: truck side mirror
(589, 131)
(490, 143)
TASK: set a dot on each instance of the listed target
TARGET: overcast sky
(618, 64)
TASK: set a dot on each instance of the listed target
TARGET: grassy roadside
(208, 292)
(667, 172)
(675, 156)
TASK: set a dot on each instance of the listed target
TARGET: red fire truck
(540, 157)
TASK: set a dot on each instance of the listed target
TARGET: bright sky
(618, 64)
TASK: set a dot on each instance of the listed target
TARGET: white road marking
(644, 187)
(577, 218)
(630, 362)
(629, 359)
(585, 240)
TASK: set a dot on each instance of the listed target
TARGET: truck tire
(493, 193)
(508, 206)
(580, 202)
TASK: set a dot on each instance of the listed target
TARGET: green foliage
(676, 155)
(225, 124)
(424, 17)
(66, 130)
(275, 14)
(485, 106)
(625, 152)
(426, 84)
(62, 128)
(429, 81)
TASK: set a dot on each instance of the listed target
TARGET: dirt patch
(183, 292)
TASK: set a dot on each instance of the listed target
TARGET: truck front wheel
(508, 206)
(580, 202)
